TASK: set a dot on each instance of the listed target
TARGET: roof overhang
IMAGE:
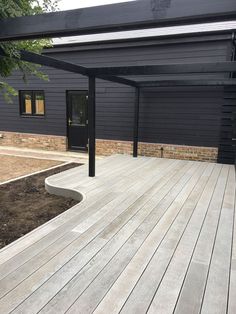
(117, 17)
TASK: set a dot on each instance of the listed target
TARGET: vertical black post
(136, 122)
(92, 125)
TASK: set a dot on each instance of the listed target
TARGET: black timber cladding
(167, 115)
(227, 143)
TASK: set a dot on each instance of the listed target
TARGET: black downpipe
(136, 122)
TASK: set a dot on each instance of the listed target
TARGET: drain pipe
(162, 152)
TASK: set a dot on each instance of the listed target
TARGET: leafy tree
(15, 8)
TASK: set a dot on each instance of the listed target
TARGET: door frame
(83, 91)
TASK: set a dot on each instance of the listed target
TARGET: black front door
(77, 120)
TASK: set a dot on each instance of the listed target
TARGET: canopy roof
(117, 17)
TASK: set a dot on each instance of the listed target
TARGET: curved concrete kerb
(57, 184)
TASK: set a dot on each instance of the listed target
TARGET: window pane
(27, 103)
(39, 103)
(79, 109)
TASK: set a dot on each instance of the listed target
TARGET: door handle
(69, 121)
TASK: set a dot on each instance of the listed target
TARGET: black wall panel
(190, 116)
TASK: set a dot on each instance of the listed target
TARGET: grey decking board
(196, 277)
(102, 237)
(68, 260)
(74, 247)
(216, 293)
(158, 266)
(53, 222)
(91, 296)
(232, 283)
(142, 294)
(168, 291)
(127, 280)
(98, 203)
(70, 295)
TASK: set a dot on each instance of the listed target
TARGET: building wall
(182, 116)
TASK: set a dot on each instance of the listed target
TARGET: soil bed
(25, 205)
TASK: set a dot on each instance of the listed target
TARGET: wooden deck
(150, 236)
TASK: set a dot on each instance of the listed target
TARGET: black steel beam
(191, 68)
(172, 83)
(117, 17)
(119, 80)
(136, 122)
(52, 62)
(92, 124)
(66, 66)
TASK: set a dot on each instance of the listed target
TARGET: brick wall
(28, 140)
(109, 147)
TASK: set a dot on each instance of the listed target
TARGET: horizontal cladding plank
(182, 111)
(39, 132)
(179, 91)
(46, 131)
(228, 152)
(203, 132)
(185, 112)
(155, 58)
(208, 136)
(32, 126)
(182, 118)
(155, 126)
(193, 68)
(172, 124)
(227, 144)
(178, 98)
(159, 121)
(204, 38)
(150, 53)
(159, 131)
(168, 99)
(157, 115)
(155, 136)
(181, 141)
(151, 49)
(180, 107)
(227, 156)
(112, 63)
(184, 92)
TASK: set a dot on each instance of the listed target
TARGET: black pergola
(138, 14)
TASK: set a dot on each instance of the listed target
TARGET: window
(32, 103)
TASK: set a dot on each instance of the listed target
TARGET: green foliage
(14, 8)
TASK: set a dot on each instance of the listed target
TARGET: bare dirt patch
(25, 205)
(12, 166)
